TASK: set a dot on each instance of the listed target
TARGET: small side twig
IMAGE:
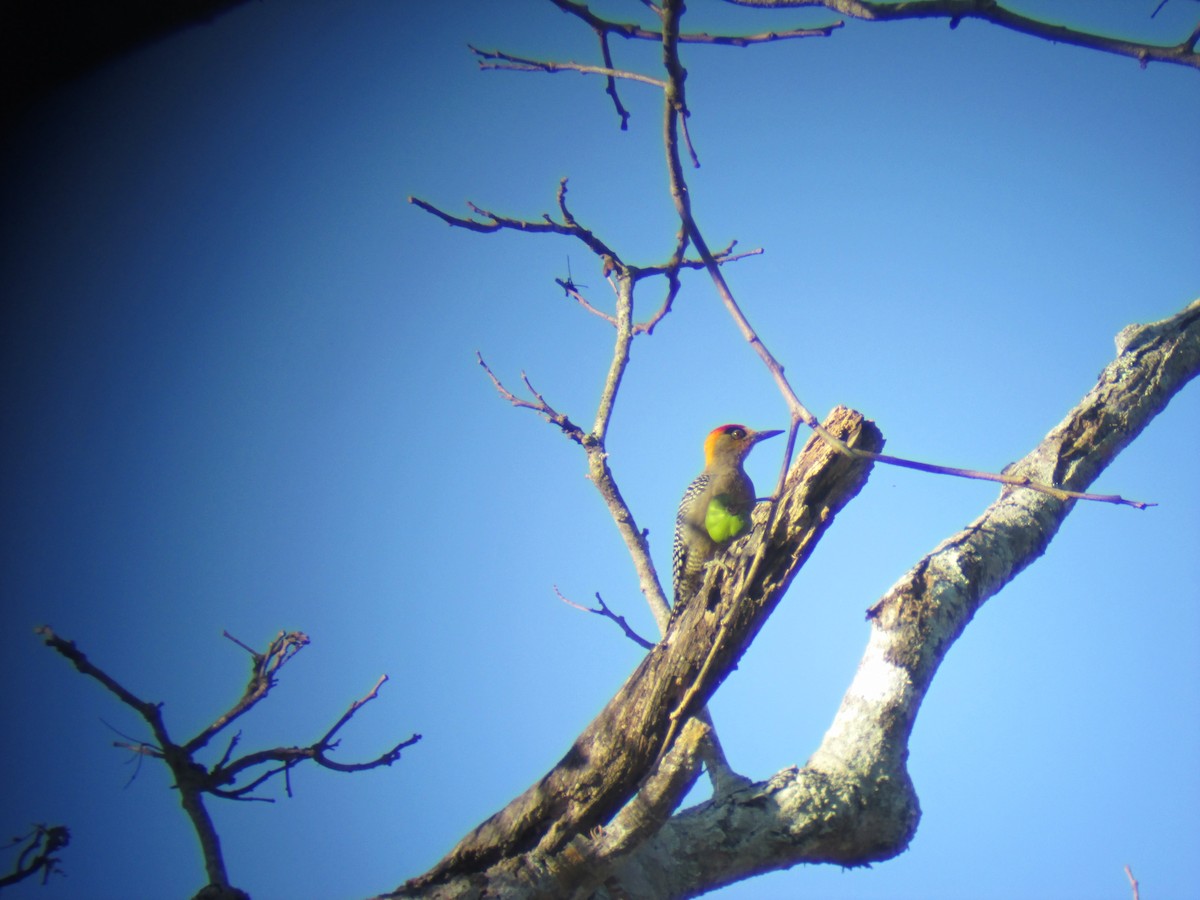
(496, 59)
(610, 86)
(572, 291)
(538, 405)
(607, 613)
(493, 222)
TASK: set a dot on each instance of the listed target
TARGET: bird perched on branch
(715, 508)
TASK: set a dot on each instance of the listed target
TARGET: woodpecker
(715, 508)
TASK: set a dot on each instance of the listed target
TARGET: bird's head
(731, 443)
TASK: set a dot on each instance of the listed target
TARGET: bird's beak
(757, 436)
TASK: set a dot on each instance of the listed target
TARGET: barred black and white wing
(687, 558)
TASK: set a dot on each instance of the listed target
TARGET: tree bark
(853, 802)
(607, 763)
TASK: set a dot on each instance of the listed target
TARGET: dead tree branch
(576, 870)
(675, 135)
(675, 113)
(193, 779)
(604, 612)
(954, 11)
(634, 31)
(38, 854)
(605, 27)
(494, 59)
(624, 278)
(638, 726)
(262, 679)
(853, 802)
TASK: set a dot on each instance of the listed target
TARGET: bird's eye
(737, 433)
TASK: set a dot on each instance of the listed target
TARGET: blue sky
(240, 393)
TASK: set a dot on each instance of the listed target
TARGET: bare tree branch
(842, 807)
(317, 752)
(610, 83)
(624, 279)
(635, 730)
(604, 28)
(38, 854)
(628, 30)
(262, 679)
(1183, 53)
(568, 227)
(675, 113)
(494, 59)
(607, 613)
(193, 779)
(674, 126)
(853, 803)
(540, 406)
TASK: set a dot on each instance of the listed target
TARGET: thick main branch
(853, 802)
(608, 761)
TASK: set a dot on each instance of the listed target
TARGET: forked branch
(639, 726)
(675, 112)
(193, 779)
(632, 30)
(624, 279)
(853, 802)
(37, 854)
(604, 612)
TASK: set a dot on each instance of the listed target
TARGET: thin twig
(496, 222)
(541, 407)
(1013, 480)
(573, 292)
(493, 222)
(507, 61)
(610, 86)
(607, 613)
(637, 272)
(250, 650)
(687, 138)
